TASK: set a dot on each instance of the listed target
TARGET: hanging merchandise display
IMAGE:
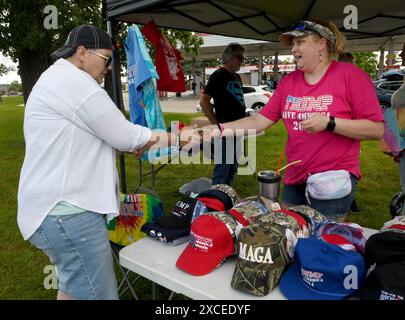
(171, 77)
(143, 99)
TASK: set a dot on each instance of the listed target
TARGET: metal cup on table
(269, 184)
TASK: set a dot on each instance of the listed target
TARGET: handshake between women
(189, 138)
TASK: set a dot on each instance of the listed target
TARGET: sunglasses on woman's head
(302, 26)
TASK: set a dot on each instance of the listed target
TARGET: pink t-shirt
(345, 91)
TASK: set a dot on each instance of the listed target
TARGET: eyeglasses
(240, 57)
(108, 60)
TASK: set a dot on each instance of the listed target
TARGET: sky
(12, 75)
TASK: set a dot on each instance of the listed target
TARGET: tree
(15, 86)
(367, 61)
(254, 61)
(4, 69)
(25, 38)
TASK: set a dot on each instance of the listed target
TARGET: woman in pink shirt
(328, 107)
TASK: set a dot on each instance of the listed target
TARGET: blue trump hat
(323, 271)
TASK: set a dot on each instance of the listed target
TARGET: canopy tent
(379, 22)
(262, 20)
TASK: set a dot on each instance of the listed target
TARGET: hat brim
(292, 288)
(169, 234)
(196, 263)
(63, 52)
(286, 37)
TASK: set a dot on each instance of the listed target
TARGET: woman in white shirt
(69, 180)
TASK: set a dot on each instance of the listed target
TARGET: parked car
(255, 98)
(385, 90)
(393, 75)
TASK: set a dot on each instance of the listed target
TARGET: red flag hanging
(168, 66)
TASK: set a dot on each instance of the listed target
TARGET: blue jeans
(333, 209)
(79, 247)
(225, 160)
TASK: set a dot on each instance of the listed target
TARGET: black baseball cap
(181, 216)
(385, 282)
(385, 247)
(85, 35)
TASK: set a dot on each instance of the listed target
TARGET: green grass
(21, 265)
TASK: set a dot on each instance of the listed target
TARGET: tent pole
(117, 95)
(260, 65)
(276, 70)
(381, 63)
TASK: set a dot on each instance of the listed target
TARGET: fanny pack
(329, 185)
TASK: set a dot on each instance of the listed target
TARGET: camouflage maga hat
(248, 211)
(294, 228)
(212, 241)
(269, 204)
(265, 248)
(305, 28)
(310, 214)
(262, 258)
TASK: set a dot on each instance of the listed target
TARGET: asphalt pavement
(186, 103)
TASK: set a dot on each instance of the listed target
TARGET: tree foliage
(15, 86)
(22, 26)
(4, 69)
(367, 61)
(26, 40)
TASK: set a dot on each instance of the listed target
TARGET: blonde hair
(334, 49)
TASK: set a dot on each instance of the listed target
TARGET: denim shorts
(333, 209)
(79, 247)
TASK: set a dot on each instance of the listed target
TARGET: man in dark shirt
(225, 87)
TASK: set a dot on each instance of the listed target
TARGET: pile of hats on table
(174, 228)
(329, 265)
(309, 256)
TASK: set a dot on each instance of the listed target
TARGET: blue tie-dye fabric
(144, 106)
(143, 99)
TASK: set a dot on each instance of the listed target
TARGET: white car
(255, 98)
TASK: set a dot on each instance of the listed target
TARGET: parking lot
(186, 103)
